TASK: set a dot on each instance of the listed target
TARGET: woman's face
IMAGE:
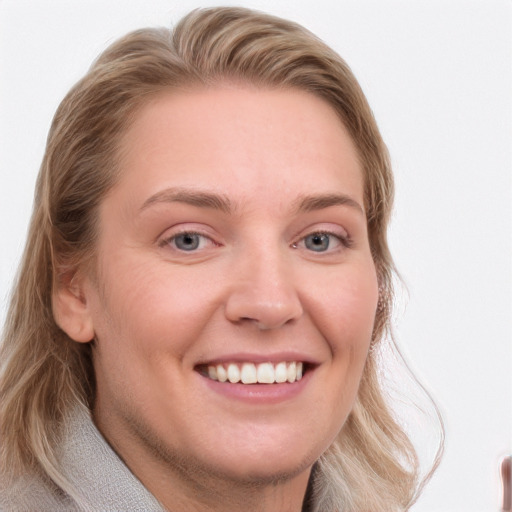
(234, 246)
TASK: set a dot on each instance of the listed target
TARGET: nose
(263, 293)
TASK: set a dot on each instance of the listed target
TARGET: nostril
(265, 307)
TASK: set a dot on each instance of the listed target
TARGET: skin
(255, 286)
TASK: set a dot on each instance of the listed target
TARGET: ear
(70, 308)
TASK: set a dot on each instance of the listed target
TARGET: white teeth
(233, 373)
(292, 372)
(222, 375)
(266, 373)
(281, 373)
(248, 374)
(212, 372)
(263, 373)
(300, 368)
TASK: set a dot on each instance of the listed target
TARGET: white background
(438, 75)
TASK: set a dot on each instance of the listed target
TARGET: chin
(263, 463)
(266, 472)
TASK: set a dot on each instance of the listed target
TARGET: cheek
(346, 310)
(358, 306)
(352, 307)
(146, 322)
(150, 308)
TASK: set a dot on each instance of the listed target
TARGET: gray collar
(101, 479)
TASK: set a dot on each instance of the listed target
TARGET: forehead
(241, 139)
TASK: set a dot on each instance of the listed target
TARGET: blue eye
(318, 242)
(191, 242)
(187, 241)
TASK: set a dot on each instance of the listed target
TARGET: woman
(206, 284)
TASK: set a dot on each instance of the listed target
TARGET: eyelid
(166, 239)
(345, 240)
(327, 228)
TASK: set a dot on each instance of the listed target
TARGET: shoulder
(31, 493)
(91, 476)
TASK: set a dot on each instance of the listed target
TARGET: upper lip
(244, 357)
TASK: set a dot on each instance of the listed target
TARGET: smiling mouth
(251, 373)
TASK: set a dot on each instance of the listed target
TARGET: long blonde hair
(372, 465)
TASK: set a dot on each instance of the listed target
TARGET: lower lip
(259, 393)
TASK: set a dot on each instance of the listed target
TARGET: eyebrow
(202, 199)
(192, 197)
(318, 202)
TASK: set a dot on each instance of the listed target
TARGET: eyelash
(345, 241)
(172, 239)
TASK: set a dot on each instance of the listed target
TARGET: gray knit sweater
(101, 480)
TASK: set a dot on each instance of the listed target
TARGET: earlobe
(71, 310)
